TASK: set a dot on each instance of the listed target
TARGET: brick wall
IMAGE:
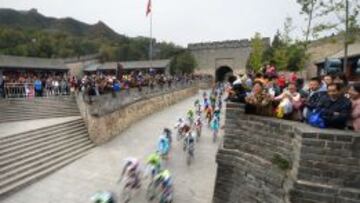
(270, 160)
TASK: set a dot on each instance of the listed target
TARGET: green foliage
(284, 53)
(32, 34)
(329, 15)
(280, 162)
(281, 58)
(257, 51)
(183, 62)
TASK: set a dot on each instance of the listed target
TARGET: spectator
(237, 92)
(315, 94)
(38, 87)
(272, 88)
(354, 93)
(327, 80)
(259, 101)
(2, 86)
(293, 77)
(300, 88)
(281, 82)
(260, 78)
(340, 78)
(334, 107)
(290, 99)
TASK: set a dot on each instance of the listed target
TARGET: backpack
(315, 119)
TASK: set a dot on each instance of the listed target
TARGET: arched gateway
(214, 55)
(223, 73)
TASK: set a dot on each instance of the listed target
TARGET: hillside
(35, 21)
(29, 33)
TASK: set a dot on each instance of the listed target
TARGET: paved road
(101, 167)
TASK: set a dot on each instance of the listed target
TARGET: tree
(288, 28)
(311, 9)
(284, 53)
(183, 62)
(257, 51)
(340, 16)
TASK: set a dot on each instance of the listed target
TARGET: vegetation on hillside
(28, 33)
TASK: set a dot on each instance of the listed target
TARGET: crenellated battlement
(244, 43)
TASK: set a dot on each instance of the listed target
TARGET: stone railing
(265, 159)
(108, 116)
(108, 103)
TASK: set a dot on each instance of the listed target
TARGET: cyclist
(189, 142)
(132, 172)
(164, 181)
(208, 114)
(167, 132)
(213, 100)
(215, 125)
(103, 197)
(180, 124)
(163, 147)
(190, 116)
(198, 127)
(198, 107)
(217, 113)
(154, 164)
(182, 128)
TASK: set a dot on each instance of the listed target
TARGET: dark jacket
(328, 107)
(313, 101)
(239, 94)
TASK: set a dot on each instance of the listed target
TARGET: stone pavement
(11, 128)
(100, 169)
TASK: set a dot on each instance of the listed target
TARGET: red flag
(148, 9)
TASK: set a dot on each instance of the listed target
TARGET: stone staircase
(37, 108)
(29, 156)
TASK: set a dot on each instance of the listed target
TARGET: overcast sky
(178, 21)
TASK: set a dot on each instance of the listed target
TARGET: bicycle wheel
(188, 157)
(150, 192)
(214, 137)
(126, 194)
(178, 136)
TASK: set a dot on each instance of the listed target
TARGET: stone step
(40, 130)
(22, 166)
(28, 141)
(24, 118)
(41, 171)
(45, 107)
(37, 105)
(10, 159)
(28, 104)
(54, 113)
(39, 113)
(36, 100)
(27, 147)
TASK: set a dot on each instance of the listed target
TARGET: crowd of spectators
(325, 102)
(98, 84)
(30, 84)
(34, 84)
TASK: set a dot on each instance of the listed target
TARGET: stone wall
(270, 160)
(212, 55)
(104, 127)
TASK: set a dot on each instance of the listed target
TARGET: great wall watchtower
(219, 58)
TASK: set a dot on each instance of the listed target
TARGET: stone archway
(222, 73)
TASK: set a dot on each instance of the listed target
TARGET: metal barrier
(16, 90)
(22, 90)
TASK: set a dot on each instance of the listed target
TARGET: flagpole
(151, 38)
